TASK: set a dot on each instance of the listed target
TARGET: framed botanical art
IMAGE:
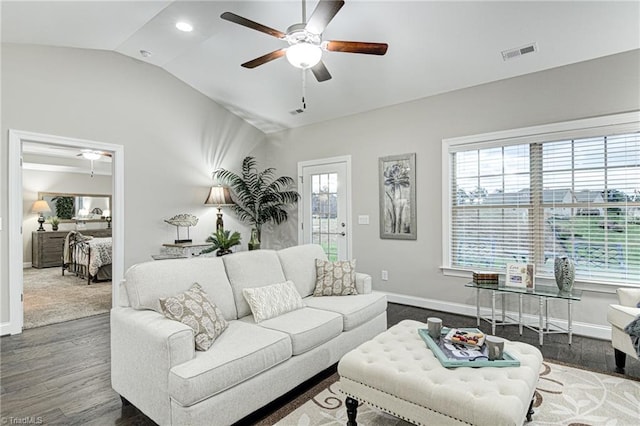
(397, 174)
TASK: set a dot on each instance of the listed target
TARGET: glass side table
(543, 293)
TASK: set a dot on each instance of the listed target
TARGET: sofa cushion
(272, 300)
(148, 282)
(243, 351)
(306, 327)
(194, 308)
(355, 310)
(299, 265)
(335, 278)
(621, 316)
(251, 269)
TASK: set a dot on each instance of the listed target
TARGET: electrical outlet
(385, 275)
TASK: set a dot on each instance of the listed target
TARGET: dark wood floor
(60, 373)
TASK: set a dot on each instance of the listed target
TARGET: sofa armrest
(629, 296)
(144, 347)
(363, 283)
(621, 316)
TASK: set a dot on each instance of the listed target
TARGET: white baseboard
(595, 331)
(26, 265)
(6, 328)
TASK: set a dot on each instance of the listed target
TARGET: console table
(543, 293)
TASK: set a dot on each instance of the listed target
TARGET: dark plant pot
(254, 242)
(222, 252)
(54, 227)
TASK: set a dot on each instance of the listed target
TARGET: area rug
(51, 298)
(564, 396)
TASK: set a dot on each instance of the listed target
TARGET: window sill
(589, 286)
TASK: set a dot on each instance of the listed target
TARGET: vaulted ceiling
(434, 47)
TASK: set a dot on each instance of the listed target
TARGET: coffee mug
(434, 327)
(495, 347)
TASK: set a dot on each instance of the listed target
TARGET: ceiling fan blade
(324, 13)
(236, 19)
(265, 58)
(356, 47)
(320, 72)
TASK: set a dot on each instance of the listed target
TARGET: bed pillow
(272, 300)
(194, 308)
(335, 278)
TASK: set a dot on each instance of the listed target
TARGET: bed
(87, 257)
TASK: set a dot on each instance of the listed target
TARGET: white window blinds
(532, 201)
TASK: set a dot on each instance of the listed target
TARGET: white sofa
(154, 364)
(619, 316)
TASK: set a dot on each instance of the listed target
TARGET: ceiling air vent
(519, 51)
(296, 111)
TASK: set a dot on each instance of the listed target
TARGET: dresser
(48, 246)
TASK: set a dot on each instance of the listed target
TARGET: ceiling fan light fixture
(90, 155)
(304, 55)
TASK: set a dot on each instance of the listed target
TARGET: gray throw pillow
(194, 308)
(335, 278)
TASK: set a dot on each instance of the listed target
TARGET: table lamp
(219, 196)
(40, 206)
(106, 214)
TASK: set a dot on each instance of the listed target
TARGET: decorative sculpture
(182, 220)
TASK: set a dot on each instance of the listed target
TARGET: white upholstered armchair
(620, 316)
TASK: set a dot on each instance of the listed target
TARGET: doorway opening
(21, 198)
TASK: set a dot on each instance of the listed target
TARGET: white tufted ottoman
(397, 373)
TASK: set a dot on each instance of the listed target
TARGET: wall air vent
(519, 51)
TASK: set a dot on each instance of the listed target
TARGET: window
(541, 193)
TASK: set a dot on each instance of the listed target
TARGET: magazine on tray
(465, 344)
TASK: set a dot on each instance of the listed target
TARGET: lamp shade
(219, 196)
(40, 206)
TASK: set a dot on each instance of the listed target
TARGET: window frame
(576, 129)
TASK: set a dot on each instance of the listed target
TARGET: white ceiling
(434, 47)
(56, 158)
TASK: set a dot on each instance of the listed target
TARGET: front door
(325, 207)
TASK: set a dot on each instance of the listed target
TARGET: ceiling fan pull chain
(91, 168)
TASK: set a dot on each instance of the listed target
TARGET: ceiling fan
(305, 40)
(91, 155)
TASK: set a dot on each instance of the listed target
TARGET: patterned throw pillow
(272, 300)
(195, 309)
(335, 278)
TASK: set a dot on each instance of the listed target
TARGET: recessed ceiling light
(184, 26)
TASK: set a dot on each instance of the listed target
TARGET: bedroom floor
(51, 298)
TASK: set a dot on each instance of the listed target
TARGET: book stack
(485, 278)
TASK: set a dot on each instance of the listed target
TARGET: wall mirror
(75, 207)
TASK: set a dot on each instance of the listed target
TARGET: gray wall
(173, 136)
(599, 87)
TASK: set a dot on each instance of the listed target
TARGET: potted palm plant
(222, 241)
(260, 197)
